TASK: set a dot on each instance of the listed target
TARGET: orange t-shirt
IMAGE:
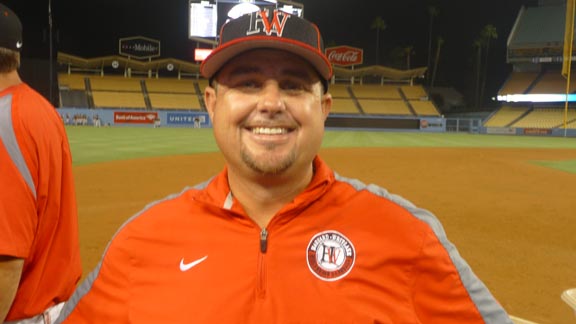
(340, 252)
(38, 213)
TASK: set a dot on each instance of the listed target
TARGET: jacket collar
(218, 194)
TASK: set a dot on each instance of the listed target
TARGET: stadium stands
(114, 83)
(552, 82)
(344, 106)
(424, 108)
(532, 117)
(71, 81)
(545, 118)
(175, 101)
(339, 90)
(384, 107)
(371, 91)
(534, 93)
(505, 116)
(413, 92)
(115, 99)
(170, 85)
(518, 82)
(117, 91)
(172, 93)
(91, 83)
(114, 91)
(202, 84)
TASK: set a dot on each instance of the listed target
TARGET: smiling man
(268, 108)
(277, 236)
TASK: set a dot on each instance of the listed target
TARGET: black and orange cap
(10, 29)
(269, 29)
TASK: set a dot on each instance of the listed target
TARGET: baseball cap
(10, 29)
(269, 29)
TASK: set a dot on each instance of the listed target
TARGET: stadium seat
(569, 296)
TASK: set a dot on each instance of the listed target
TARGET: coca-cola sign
(345, 55)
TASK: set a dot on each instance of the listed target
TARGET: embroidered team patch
(330, 255)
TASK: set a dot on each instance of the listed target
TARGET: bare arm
(10, 272)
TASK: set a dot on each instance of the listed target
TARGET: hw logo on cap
(273, 29)
(263, 21)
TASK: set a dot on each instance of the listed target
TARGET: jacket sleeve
(447, 291)
(103, 297)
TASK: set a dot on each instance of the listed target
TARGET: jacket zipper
(263, 240)
(261, 289)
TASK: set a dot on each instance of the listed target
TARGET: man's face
(268, 111)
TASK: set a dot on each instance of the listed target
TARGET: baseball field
(507, 202)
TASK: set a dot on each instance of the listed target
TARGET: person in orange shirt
(277, 236)
(39, 248)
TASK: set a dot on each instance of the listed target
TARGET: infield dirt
(514, 221)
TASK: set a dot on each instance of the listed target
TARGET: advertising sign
(139, 47)
(134, 117)
(190, 119)
(345, 55)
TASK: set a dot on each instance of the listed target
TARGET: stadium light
(201, 53)
(206, 17)
(288, 8)
(537, 98)
(242, 9)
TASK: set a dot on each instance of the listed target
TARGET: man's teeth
(269, 131)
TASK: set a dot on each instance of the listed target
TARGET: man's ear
(326, 104)
(210, 100)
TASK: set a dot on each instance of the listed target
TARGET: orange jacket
(38, 216)
(342, 252)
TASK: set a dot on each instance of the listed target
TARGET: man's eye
(293, 86)
(247, 84)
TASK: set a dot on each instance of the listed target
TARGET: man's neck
(264, 196)
(9, 79)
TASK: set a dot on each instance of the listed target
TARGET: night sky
(94, 30)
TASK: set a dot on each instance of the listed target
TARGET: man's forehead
(266, 60)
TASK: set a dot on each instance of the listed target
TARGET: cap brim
(221, 55)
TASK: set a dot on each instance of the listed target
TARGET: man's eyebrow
(244, 69)
(302, 74)
(294, 72)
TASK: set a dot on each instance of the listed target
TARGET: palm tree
(478, 47)
(487, 34)
(380, 25)
(439, 43)
(433, 12)
(408, 51)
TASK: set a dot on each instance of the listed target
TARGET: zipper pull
(263, 240)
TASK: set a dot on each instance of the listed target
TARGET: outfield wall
(200, 119)
(556, 132)
(136, 117)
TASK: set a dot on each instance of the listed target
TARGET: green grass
(568, 166)
(93, 145)
(409, 139)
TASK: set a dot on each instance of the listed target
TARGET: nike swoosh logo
(188, 266)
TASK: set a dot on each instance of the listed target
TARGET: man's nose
(271, 99)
